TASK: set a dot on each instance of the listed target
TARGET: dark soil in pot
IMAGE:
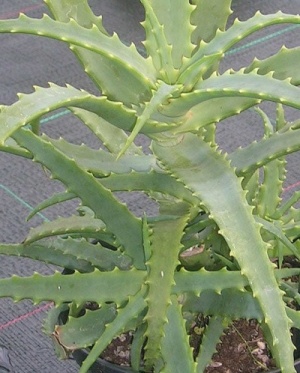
(242, 350)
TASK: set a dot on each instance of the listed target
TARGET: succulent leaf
(116, 216)
(165, 247)
(84, 331)
(80, 11)
(136, 72)
(231, 303)
(112, 138)
(47, 253)
(84, 225)
(56, 198)
(161, 94)
(224, 40)
(283, 64)
(167, 43)
(78, 287)
(43, 100)
(217, 12)
(237, 84)
(125, 315)
(182, 160)
(210, 339)
(260, 153)
(175, 330)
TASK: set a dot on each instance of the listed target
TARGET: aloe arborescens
(175, 96)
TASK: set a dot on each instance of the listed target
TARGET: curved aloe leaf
(101, 163)
(115, 215)
(79, 287)
(167, 43)
(237, 85)
(136, 73)
(211, 337)
(224, 40)
(257, 154)
(175, 330)
(283, 64)
(206, 173)
(47, 254)
(112, 138)
(148, 182)
(165, 246)
(125, 315)
(56, 198)
(217, 12)
(84, 331)
(43, 100)
(64, 10)
(213, 111)
(85, 225)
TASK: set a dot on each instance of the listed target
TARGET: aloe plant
(222, 230)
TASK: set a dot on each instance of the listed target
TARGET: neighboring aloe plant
(221, 225)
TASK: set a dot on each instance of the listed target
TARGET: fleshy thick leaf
(171, 33)
(32, 106)
(214, 10)
(283, 64)
(78, 287)
(135, 72)
(115, 215)
(258, 87)
(224, 40)
(206, 172)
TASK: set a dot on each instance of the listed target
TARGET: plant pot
(100, 366)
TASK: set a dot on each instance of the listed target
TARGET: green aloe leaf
(175, 342)
(115, 215)
(111, 137)
(64, 10)
(276, 230)
(213, 10)
(224, 40)
(94, 253)
(125, 315)
(283, 64)
(213, 111)
(205, 172)
(259, 153)
(32, 106)
(47, 253)
(201, 280)
(165, 246)
(210, 339)
(102, 163)
(84, 225)
(167, 43)
(239, 84)
(78, 287)
(84, 331)
(136, 73)
(53, 200)
(160, 95)
(230, 303)
(148, 182)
